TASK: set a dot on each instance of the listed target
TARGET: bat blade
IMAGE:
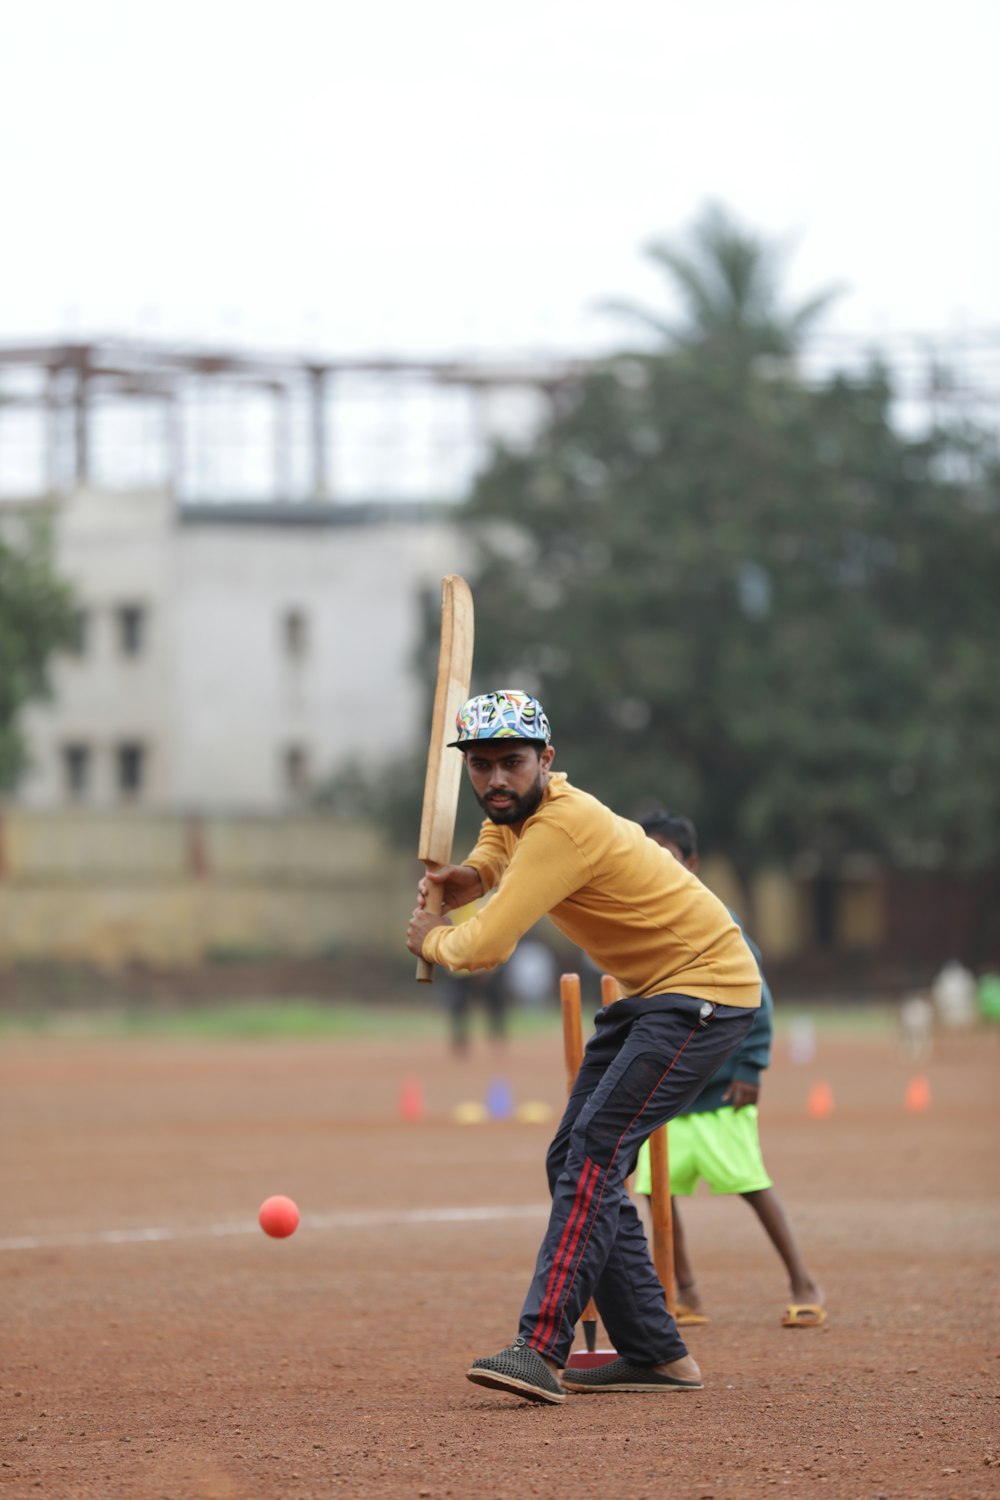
(444, 766)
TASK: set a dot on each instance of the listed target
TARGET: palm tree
(728, 280)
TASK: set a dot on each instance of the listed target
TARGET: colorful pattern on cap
(504, 715)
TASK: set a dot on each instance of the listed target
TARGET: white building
(252, 539)
(232, 657)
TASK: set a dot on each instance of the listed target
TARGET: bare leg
(688, 1296)
(767, 1206)
(687, 1290)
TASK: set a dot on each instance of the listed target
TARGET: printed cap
(507, 714)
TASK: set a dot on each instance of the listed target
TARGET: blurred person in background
(466, 989)
(528, 979)
(716, 1136)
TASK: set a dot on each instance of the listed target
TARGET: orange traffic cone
(918, 1095)
(820, 1105)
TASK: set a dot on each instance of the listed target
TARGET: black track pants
(645, 1062)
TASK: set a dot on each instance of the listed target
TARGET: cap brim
(497, 739)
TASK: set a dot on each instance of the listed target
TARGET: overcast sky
(447, 176)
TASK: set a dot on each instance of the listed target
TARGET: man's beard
(518, 809)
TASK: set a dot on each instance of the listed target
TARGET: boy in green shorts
(716, 1137)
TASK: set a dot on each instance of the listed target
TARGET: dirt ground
(154, 1343)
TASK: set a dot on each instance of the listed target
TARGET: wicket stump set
(659, 1161)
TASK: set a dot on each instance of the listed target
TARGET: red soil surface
(207, 1361)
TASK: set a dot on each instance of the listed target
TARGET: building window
(76, 770)
(130, 768)
(131, 619)
(295, 633)
(296, 765)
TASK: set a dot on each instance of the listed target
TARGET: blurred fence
(107, 889)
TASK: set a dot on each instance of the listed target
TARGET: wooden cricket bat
(444, 766)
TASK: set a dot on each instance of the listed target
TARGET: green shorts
(721, 1145)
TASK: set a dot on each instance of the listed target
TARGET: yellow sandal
(804, 1315)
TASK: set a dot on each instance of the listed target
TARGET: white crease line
(358, 1220)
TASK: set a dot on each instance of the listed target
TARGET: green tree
(728, 280)
(37, 619)
(754, 599)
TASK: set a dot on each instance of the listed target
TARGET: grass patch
(299, 1018)
(835, 1019)
(291, 1019)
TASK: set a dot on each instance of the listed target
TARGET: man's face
(508, 778)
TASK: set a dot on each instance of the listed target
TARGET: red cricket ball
(278, 1217)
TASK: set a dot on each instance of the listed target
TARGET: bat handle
(433, 902)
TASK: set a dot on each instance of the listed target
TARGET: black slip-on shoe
(623, 1375)
(519, 1371)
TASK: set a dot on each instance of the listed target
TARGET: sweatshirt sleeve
(490, 855)
(544, 869)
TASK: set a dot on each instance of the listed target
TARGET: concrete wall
(103, 889)
(108, 888)
(780, 912)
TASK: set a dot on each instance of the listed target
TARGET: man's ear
(546, 757)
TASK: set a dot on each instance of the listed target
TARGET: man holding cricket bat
(691, 989)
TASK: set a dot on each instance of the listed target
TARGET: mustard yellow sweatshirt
(627, 902)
